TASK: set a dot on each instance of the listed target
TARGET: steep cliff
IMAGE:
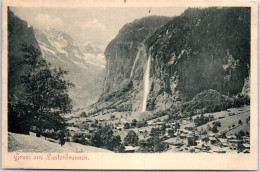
(122, 51)
(18, 33)
(200, 50)
(126, 61)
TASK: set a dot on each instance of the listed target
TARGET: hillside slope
(31, 143)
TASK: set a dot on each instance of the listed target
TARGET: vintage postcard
(129, 85)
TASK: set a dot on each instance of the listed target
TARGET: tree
(131, 138)
(217, 123)
(140, 124)
(96, 140)
(112, 117)
(83, 114)
(155, 132)
(126, 125)
(247, 120)
(215, 129)
(133, 123)
(177, 126)
(104, 137)
(113, 143)
(153, 144)
(240, 122)
(200, 120)
(46, 91)
(241, 133)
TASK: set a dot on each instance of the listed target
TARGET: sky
(89, 24)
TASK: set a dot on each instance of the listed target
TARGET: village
(221, 134)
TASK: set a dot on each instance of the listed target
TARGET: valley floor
(31, 143)
(229, 124)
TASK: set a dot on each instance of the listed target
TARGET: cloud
(46, 21)
(94, 24)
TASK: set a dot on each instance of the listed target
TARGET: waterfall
(141, 52)
(146, 83)
(136, 58)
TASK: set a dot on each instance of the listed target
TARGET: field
(227, 120)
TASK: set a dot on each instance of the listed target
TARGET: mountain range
(84, 62)
(153, 64)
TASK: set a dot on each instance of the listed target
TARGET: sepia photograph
(127, 82)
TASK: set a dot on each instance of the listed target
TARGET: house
(246, 146)
(219, 151)
(246, 151)
(223, 142)
(246, 139)
(174, 141)
(199, 142)
(180, 130)
(150, 123)
(120, 128)
(88, 120)
(73, 129)
(169, 132)
(235, 144)
(159, 123)
(171, 141)
(131, 149)
(164, 137)
(212, 135)
(189, 128)
(231, 137)
(186, 131)
(207, 146)
(192, 140)
(212, 140)
(91, 130)
(183, 136)
(173, 124)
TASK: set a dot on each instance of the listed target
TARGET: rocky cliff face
(18, 33)
(124, 52)
(126, 60)
(202, 49)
